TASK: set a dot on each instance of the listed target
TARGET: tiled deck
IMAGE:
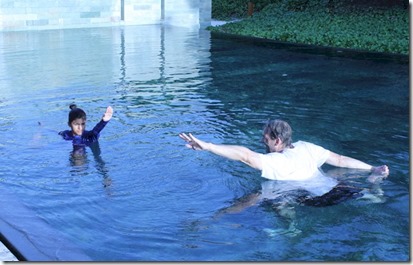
(5, 254)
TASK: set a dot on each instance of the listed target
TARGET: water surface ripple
(143, 196)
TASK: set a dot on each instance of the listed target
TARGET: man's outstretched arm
(233, 152)
(348, 162)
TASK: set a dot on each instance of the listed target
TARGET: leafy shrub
(230, 9)
(317, 23)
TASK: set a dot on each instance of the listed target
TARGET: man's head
(277, 135)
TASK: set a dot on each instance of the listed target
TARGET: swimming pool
(143, 196)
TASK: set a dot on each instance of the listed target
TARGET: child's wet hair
(76, 113)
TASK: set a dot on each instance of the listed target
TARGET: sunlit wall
(46, 14)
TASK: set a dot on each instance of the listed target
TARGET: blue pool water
(143, 196)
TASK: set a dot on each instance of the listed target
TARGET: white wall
(48, 14)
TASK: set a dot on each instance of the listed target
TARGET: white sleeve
(319, 154)
(266, 171)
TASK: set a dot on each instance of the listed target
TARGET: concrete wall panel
(47, 14)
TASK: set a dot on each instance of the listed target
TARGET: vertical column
(188, 13)
(122, 10)
(205, 10)
(162, 10)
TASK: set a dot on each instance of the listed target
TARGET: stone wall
(188, 12)
(52, 14)
(141, 12)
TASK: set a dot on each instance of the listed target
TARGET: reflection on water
(79, 162)
(164, 199)
(78, 156)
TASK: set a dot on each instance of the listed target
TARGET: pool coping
(5, 254)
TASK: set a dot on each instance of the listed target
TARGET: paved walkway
(222, 22)
(5, 254)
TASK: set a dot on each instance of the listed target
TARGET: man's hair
(279, 129)
(76, 113)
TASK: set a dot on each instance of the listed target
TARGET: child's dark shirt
(87, 138)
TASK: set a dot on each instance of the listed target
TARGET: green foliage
(327, 23)
(230, 9)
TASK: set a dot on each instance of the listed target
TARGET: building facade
(55, 14)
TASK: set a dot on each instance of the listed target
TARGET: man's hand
(378, 173)
(193, 142)
(380, 170)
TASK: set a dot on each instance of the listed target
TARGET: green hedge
(317, 23)
(230, 9)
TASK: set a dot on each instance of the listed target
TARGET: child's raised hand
(108, 114)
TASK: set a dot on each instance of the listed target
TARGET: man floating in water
(295, 164)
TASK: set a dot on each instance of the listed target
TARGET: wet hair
(279, 129)
(76, 113)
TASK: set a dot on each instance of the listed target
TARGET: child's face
(78, 126)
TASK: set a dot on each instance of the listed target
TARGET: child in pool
(77, 122)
